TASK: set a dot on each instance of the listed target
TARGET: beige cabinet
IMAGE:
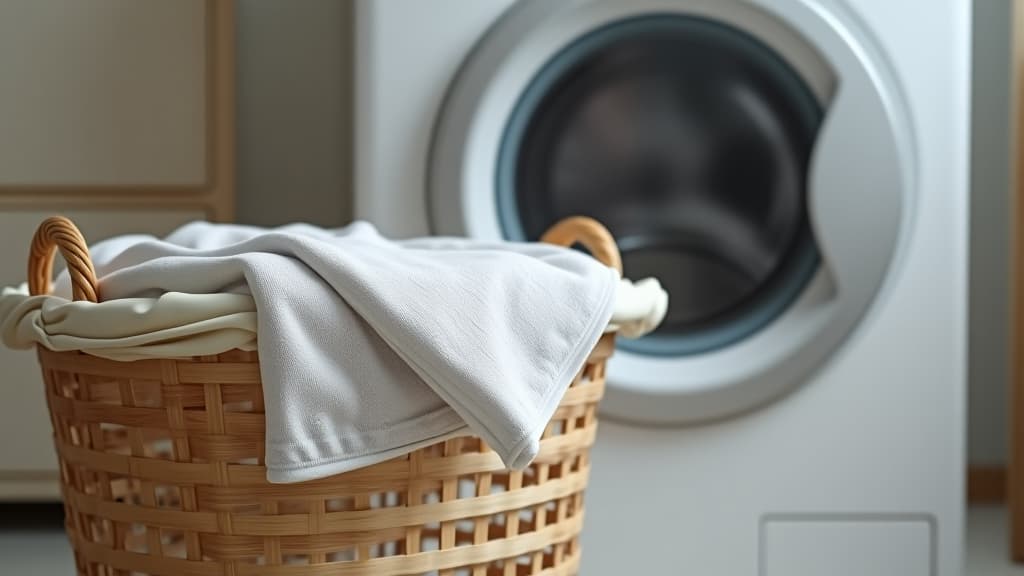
(117, 102)
(115, 89)
(118, 114)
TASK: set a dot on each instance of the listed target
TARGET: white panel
(847, 548)
(23, 412)
(102, 92)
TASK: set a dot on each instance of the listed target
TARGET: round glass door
(690, 140)
(689, 128)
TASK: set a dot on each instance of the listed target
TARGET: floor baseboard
(986, 485)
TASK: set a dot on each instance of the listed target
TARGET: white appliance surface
(870, 443)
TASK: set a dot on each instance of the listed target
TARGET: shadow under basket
(161, 465)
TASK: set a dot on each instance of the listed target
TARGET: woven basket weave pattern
(161, 463)
(162, 472)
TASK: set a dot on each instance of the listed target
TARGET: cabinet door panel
(23, 414)
(103, 92)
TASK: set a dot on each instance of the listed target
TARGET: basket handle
(59, 232)
(591, 234)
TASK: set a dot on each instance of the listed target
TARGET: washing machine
(795, 174)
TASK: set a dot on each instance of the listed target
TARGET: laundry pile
(369, 348)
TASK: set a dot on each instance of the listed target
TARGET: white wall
(294, 111)
(990, 212)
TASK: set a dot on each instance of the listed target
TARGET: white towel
(370, 348)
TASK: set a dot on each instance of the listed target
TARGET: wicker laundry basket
(161, 469)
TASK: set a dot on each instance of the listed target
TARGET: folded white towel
(369, 348)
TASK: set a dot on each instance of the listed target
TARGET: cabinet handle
(591, 234)
(59, 232)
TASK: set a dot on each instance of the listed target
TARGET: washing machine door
(756, 159)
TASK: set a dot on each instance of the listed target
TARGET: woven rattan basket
(161, 465)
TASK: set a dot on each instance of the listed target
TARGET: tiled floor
(40, 549)
(987, 545)
(32, 542)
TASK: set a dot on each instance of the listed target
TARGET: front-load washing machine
(794, 172)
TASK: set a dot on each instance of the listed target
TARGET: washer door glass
(690, 140)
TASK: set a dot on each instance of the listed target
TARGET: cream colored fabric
(179, 325)
(639, 307)
(173, 325)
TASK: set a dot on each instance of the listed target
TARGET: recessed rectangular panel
(103, 92)
(841, 547)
